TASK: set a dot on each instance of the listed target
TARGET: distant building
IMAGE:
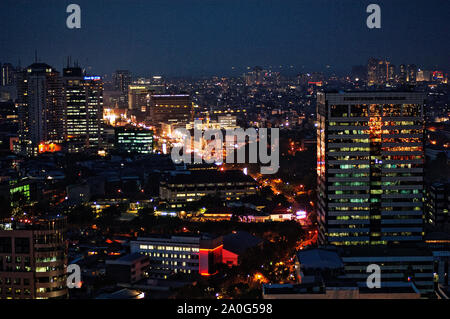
(227, 121)
(411, 74)
(255, 77)
(423, 75)
(33, 259)
(8, 93)
(139, 99)
(122, 80)
(170, 109)
(131, 139)
(6, 74)
(402, 74)
(379, 72)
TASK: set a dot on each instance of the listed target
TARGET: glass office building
(370, 158)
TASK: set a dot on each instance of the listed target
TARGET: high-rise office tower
(378, 71)
(255, 77)
(411, 74)
(383, 72)
(391, 73)
(372, 66)
(41, 111)
(94, 99)
(75, 107)
(370, 161)
(402, 74)
(33, 258)
(122, 79)
(83, 102)
(7, 72)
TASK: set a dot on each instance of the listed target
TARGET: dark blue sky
(209, 37)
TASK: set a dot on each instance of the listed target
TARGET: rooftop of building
(128, 259)
(45, 222)
(189, 237)
(210, 176)
(319, 258)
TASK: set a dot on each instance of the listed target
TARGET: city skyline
(224, 150)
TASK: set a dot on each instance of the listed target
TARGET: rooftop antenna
(35, 56)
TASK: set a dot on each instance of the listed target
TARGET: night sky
(209, 37)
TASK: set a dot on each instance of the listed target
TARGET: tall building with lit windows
(41, 110)
(83, 103)
(370, 167)
(6, 74)
(94, 101)
(122, 80)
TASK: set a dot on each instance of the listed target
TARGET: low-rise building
(128, 269)
(188, 254)
(179, 189)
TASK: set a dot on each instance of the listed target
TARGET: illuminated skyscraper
(6, 76)
(83, 102)
(412, 74)
(372, 66)
(41, 111)
(370, 167)
(122, 79)
(402, 74)
(379, 72)
(94, 101)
